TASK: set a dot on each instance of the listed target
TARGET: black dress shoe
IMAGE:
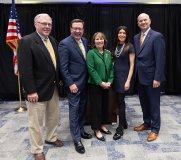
(79, 147)
(99, 138)
(86, 135)
(106, 132)
(117, 136)
(125, 125)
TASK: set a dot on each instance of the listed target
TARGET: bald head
(144, 21)
(143, 15)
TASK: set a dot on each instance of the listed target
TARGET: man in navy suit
(149, 69)
(39, 73)
(72, 53)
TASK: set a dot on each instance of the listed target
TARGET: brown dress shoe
(39, 156)
(57, 143)
(152, 136)
(141, 128)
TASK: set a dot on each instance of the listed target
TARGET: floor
(14, 138)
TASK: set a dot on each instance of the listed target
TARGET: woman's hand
(105, 85)
(127, 85)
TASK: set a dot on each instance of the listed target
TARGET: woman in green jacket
(101, 74)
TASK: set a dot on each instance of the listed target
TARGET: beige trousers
(37, 113)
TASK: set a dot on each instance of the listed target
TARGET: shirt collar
(146, 32)
(42, 37)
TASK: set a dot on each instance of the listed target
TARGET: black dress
(121, 68)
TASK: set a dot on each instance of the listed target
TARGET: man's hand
(156, 84)
(33, 98)
(73, 88)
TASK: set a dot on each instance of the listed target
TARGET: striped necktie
(82, 48)
(50, 50)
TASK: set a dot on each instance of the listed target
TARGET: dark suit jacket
(72, 63)
(150, 58)
(36, 68)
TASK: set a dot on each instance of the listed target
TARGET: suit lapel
(137, 44)
(105, 58)
(45, 52)
(98, 54)
(74, 43)
(54, 45)
(146, 40)
(85, 46)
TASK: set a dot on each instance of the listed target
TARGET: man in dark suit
(149, 69)
(72, 53)
(39, 73)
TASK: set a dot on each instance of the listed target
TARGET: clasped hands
(105, 85)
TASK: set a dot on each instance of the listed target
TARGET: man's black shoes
(79, 147)
(117, 136)
(85, 135)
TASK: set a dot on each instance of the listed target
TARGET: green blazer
(100, 67)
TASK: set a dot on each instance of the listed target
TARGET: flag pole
(12, 38)
(21, 108)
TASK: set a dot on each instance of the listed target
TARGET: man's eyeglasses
(45, 24)
(75, 29)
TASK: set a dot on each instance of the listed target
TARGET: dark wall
(106, 18)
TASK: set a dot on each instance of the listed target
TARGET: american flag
(13, 34)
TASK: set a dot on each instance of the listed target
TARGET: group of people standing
(44, 67)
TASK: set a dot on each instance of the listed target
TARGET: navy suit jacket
(150, 58)
(72, 63)
(37, 71)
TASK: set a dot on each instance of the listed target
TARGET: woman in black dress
(124, 56)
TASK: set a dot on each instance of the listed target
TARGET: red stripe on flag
(12, 23)
(10, 38)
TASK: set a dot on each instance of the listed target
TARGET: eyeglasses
(45, 24)
(75, 29)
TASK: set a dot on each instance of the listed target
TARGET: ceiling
(92, 1)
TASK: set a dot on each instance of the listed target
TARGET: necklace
(118, 52)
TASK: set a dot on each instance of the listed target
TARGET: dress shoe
(117, 136)
(152, 136)
(57, 143)
(105, 132)
(99, 138)
(39, 156)
(141, 128)
(125, 125)
(79, 147)
(85, 135)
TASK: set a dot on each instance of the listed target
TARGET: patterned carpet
(14, 138)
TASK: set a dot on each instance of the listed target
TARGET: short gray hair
(40, 15)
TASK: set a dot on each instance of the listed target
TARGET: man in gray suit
(72, 52)
(149, 69)
(39, 72)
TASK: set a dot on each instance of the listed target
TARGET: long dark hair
(127, 40)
